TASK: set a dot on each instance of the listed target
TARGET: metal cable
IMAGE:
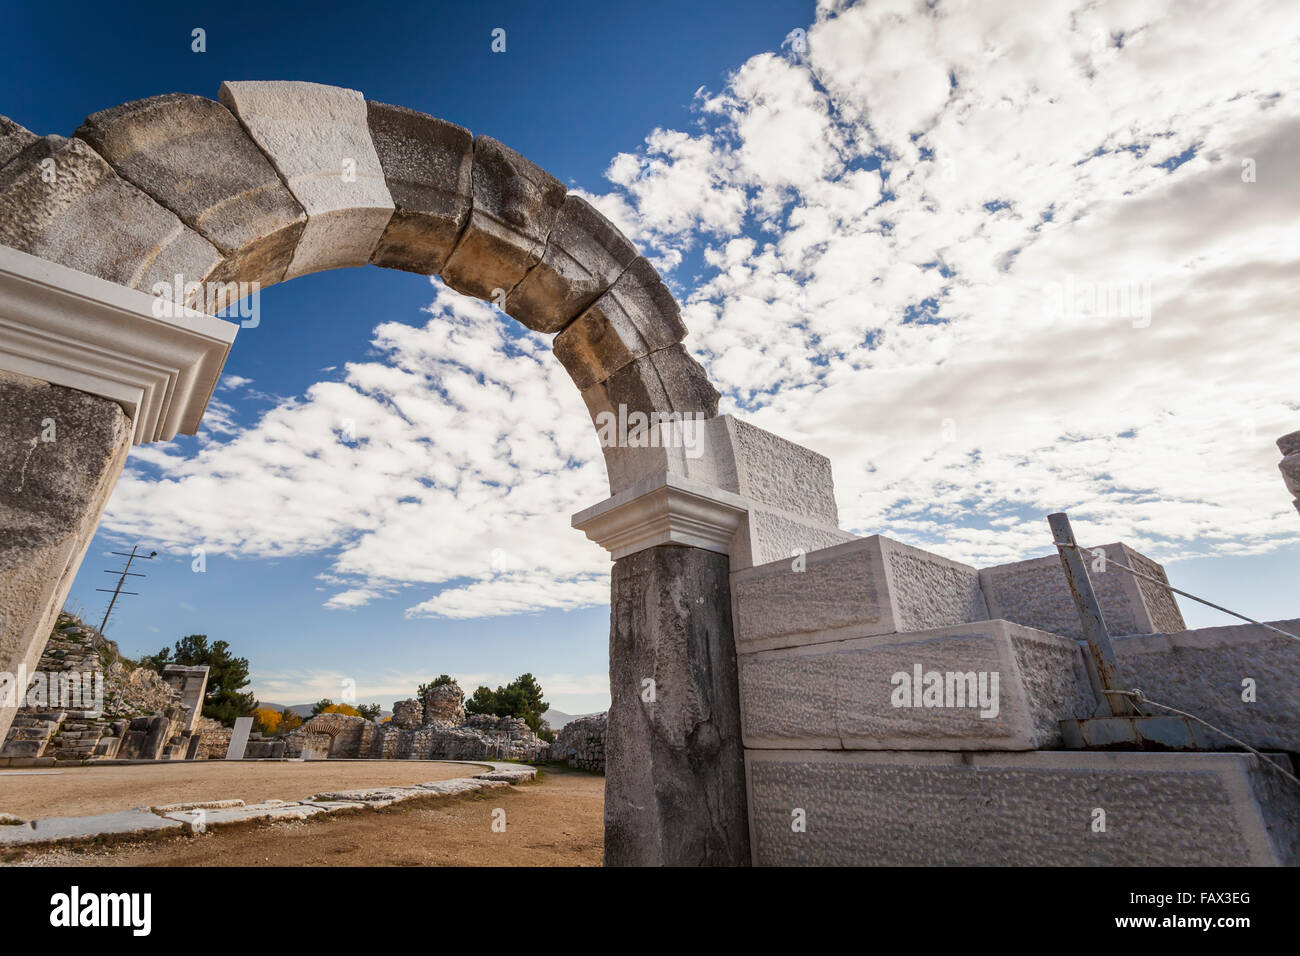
(1170, 587)
(1141, 698)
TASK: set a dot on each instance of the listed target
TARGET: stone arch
(278, 179)
(345, 732)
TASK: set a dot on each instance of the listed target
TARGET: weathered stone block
(1001, 687)
(13, 139)
(427, 164)
(1241, 678)
(674, 790)
(863, 587)
(56, 188)
(776, 472)
(52, 493)
(192, 156)
(769, 534)
(637, 316)
(662, 383)
(1290, 468)
(584, 256)
(515, 205)
(1034, 593)
(74, 829)
(408, 714)
(319, 140)
(1020, 809)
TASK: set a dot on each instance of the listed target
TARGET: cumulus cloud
(451, 460)
(994, 261)
(1002, 262)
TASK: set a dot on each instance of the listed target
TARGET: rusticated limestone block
(674, 765)
(427, 164)
(1035, 593)
(13, 139)
(60, 454)
(1021, 809)
(637, 316)
(585, 254)
(515, 205)
(319, 140)
(861, 588)
(191, 155)
(1205, 672)
(1000, 686)
(61, 201)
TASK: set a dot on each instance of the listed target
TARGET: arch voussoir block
(60, 200)
(318, 139)
(584, 255)
(637, 316)
(13, 139)
(192, 156)
(427, 164)
(625, 407)
(516, 204)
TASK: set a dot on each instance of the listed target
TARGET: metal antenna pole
(125, 573)
(1094, 625)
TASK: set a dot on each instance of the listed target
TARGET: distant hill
(558, 718)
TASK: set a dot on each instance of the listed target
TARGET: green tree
(482, 701)
(369, 711)
(226, 698)
(321, 706)
(522, 697)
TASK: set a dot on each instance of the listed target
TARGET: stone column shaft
(60, 454)
(674, 764)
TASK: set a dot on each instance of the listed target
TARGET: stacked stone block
(581, 743)
(832, 746)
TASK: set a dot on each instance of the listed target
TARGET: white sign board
(239, 739)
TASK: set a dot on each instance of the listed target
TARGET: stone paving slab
(200, 816)
(272, 810)
(135, 822)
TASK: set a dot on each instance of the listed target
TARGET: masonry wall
(842, 768)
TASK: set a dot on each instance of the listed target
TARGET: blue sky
(863, 222)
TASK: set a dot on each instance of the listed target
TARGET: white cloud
(454, 460)
(922, 179)
(882, 222)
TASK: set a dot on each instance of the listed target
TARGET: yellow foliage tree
(266, 720)
(341, 709)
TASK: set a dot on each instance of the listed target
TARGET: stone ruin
(795, 708)
(434, 728)
(144, 715)
(581, 743)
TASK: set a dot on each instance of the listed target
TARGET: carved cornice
(665, 509)
(68, 328)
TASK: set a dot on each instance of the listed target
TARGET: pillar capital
(664, 509)
(68, 328)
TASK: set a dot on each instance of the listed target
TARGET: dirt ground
(82, 791)
(557, 821)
